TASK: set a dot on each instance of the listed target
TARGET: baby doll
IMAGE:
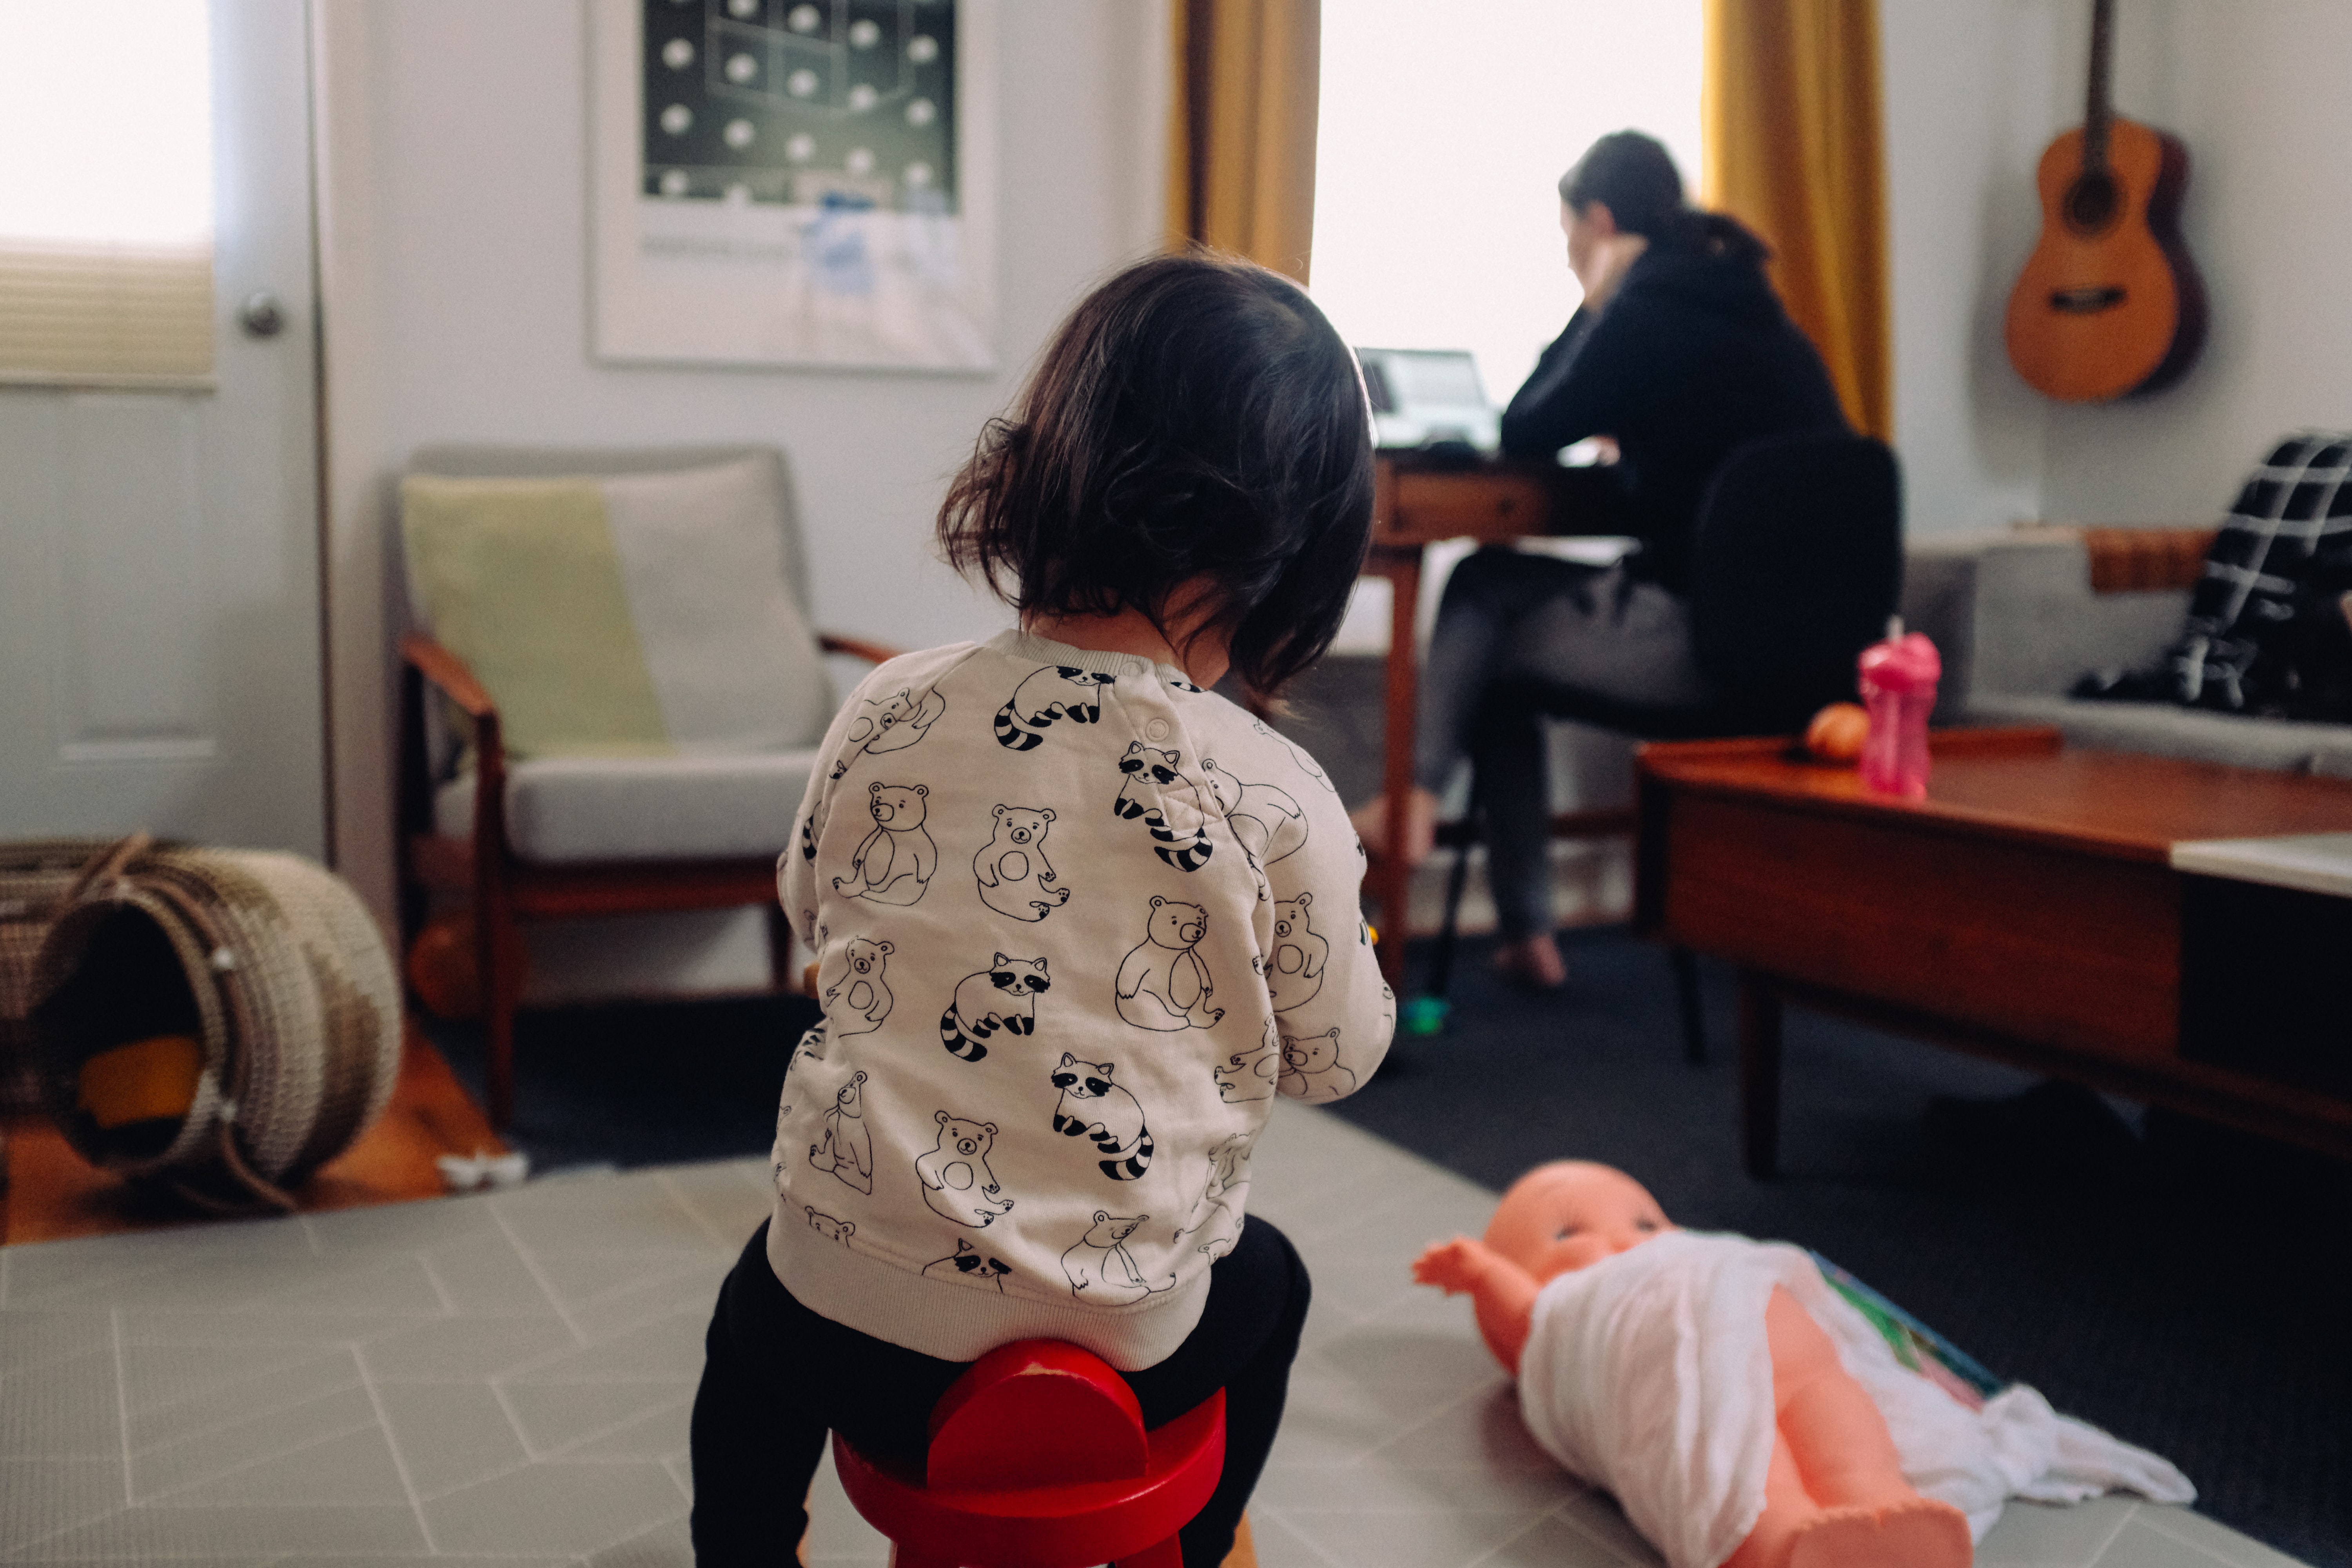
(1833, 1494)
(1742, 1411)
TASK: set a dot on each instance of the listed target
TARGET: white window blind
(106, 193)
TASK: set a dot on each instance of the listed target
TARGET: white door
(160, 636)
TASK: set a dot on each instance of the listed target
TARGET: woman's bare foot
(1533, 961)
(1372, 820)
(1923, 1533)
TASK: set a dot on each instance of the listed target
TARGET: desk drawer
(1487, 506)
(2075, 951)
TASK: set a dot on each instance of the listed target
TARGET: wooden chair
(1039, 1458)
(478, 860)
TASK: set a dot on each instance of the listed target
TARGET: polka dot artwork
(791, 102)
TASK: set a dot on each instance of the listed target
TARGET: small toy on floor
(1742, 1409)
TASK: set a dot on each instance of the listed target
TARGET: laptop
(1423, 396)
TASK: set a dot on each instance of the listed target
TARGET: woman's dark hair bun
(1196, 419)
(1634, 175)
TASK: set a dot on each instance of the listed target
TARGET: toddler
(1077, 921)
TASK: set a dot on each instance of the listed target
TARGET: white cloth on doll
(1648, 1373)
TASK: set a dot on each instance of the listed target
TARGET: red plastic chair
(1039, 1459)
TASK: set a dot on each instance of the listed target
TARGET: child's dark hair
(1195, 417)
(1635, 178)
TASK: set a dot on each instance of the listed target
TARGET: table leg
(1759, 1075)
(1390, 877)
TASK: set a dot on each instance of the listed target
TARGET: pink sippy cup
(1898, 687)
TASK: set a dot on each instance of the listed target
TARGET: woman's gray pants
(1517, 634)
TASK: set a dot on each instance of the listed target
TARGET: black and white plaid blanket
(2266, 623)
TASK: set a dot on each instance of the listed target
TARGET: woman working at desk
(1679, 353)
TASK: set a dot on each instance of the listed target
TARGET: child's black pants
(778, 1376)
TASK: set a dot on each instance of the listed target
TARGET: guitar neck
(2098, 109)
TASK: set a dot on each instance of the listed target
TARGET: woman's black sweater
(1694, 357)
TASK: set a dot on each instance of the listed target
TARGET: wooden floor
(51, 1193)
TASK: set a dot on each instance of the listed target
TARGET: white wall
(454, 163)
(1973, 92)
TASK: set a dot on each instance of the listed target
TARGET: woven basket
(291, 991)
(36, 875)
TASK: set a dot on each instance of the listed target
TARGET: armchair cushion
(621, 615)
(642, 808)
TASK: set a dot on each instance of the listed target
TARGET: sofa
(2020, 615)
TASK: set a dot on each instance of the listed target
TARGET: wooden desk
(1417, 503)
(2026, 911)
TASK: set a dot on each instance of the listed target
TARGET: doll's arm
(1502, 1293)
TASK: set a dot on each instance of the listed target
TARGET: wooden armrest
(447, 671)
(857, 647)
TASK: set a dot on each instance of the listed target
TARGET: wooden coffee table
(2026, 911)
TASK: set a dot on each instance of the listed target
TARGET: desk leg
(1759, 1075)
(1390, 877)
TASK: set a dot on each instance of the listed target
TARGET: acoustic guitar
(2109, 303)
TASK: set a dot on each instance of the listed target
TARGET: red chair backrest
(1036, 1412)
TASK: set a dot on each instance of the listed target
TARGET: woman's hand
(1606, 265)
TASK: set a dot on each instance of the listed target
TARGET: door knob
(261, 316)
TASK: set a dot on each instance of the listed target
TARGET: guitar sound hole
(2085, 301)
(2092, 203)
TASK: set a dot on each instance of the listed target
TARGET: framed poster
(793, 183)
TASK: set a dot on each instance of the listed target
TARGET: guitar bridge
(2086, 301)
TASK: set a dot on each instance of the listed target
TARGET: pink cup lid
(1907, 663)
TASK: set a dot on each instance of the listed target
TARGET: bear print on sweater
(1100, 1268)
(1162, 983)
(859, 988)
(1270, 823)
(1055, 692)
(1311, 1070)
(957, 1182)
(1002, 998)
(847, 1150)
(1169, 803)
(895, 863)
(1215, 1221)
(1294, 969)
(1249, 1075)
(832, 1229)
(1092, 1105)
(890, 724)
(1015, 878)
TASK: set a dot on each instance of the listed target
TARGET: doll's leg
(1840, 1440)
(1788, 1508)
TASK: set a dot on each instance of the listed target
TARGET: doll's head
(1571, 1214)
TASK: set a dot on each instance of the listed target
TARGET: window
(106, 193)
(1444, 130)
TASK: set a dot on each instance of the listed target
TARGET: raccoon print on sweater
(1169, 803)
(1000, 999)
(1051, 694)
(1104, 1111)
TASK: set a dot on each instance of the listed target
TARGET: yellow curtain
(1789, 113)
(1241, 138)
